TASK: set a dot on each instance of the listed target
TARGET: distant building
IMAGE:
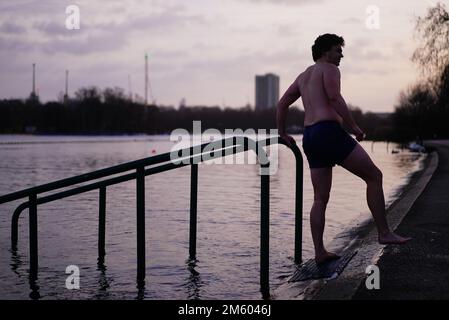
(267, 91)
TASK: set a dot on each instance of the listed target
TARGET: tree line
(423, 108)
(110, 111)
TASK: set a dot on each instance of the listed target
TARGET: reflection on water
(193, 281)
(103, 283)
(16, 268)
(16, 262)
(228, 221)
(34, 294)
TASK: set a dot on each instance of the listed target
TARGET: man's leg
(322, 181)
(359, 163)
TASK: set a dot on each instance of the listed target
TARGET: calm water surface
(228, 219)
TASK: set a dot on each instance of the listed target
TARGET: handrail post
(33, 236)
(102, 226)
(140, 186)
(298, 206)
(265, 232)
(14, 230)
(193, 211)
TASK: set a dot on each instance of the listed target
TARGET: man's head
(327, 48)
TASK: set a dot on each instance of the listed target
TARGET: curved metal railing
(160, 163)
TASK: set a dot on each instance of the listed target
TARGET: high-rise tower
(267, 91)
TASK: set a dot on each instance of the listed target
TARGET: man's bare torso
(316, 103)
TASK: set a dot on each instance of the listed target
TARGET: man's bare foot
(325, 257)
(393, 238)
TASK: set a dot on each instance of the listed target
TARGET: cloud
(11, 44)
(201, 50)
(360, 70)
(361, 42)
(288, 2)
(28, 8)
(97, 36)
(170, 17)
(363, 50)
(52, 29)
(374, 55)
(10, 27)
(91, 44)
(11, 63)
(248, 64)
(287, 30)
(81, 45)
(352, 20)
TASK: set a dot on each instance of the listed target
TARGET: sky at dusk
(206, 51)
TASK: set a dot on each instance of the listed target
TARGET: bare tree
(433, 54)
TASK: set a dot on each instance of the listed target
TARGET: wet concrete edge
(364, 239)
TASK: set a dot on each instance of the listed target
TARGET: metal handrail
(165, 157)
(232, 145)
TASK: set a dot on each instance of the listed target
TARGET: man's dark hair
(324, 43)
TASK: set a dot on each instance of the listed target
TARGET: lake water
(228, 219)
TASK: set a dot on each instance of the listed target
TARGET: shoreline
(417, 270)
(363, 239)
(369, 250)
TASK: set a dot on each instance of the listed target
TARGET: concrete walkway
(420, 269)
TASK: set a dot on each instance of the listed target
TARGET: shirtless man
(326, 144)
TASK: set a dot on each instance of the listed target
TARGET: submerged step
(328, 270)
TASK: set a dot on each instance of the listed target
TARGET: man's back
(314, 97)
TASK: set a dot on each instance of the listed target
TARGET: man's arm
(342, 109)
(331, 80)
(291, 95)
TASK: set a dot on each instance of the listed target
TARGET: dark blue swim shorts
(326, 144)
